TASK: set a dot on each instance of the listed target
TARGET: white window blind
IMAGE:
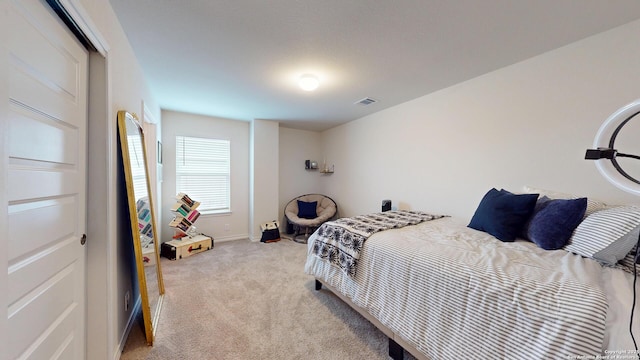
(138, 171)
(203, 169)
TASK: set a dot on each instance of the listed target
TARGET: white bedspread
(457, 293)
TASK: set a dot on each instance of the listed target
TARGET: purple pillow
(553, 223)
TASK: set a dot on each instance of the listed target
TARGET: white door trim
(4, 156)
(81, 18)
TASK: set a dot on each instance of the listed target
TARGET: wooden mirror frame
(127, 126)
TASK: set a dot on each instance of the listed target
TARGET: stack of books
(186, 213)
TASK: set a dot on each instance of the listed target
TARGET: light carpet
(251, 300)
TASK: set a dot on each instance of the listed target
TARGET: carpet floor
(250, 300)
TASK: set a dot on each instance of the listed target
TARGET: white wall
(116, 83)
(152, 128)
(264, 175)
(177, 123)
(296, 146)
(528, 123)
(4, 163)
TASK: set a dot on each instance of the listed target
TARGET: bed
(442, 290)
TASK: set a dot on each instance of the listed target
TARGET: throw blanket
(341, 241)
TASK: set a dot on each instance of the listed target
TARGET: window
(138, 171)
(203, 172)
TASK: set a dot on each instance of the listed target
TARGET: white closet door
(46, 182)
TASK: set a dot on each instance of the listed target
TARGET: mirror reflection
(142, 218)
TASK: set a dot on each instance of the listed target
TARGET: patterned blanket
(341, 241)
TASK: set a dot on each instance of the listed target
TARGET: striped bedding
(340, 242)
(457, 293)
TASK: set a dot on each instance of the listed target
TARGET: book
(180, 208)
(180, 223)
(185, 213)
(193, 215)
(185, 199)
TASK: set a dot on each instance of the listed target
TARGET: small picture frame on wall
(159, 152)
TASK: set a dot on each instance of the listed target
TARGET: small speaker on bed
(386, 205)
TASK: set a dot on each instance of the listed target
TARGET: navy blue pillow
(307, 210)
(503, 214)
(552, 225)
(540, 204)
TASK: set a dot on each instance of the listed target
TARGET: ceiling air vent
(366, 101)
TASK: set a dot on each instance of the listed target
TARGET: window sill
(210, 213)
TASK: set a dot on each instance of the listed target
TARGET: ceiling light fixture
(308, 82)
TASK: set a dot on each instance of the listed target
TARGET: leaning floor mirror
(143, 224)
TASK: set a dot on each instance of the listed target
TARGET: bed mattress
(453, 292)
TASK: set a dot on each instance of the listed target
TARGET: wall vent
(366, 101)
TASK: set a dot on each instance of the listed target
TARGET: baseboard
(132, 318)
(230, 238)
(283, 235)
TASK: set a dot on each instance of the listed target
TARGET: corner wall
(116, 83)
(526, 124)
(264, 175)
(295, 147)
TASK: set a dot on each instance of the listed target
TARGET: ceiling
(240, 59)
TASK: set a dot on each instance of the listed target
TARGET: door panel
(49, 96)
(27, 275)
(45, 64)
(57, 141)
(58, 342)
(46, 182)
(37, 182)
(42, 309)
(53, 224)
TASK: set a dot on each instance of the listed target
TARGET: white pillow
(607, 235)
(592, 204)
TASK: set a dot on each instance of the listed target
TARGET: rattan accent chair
(299, 213)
